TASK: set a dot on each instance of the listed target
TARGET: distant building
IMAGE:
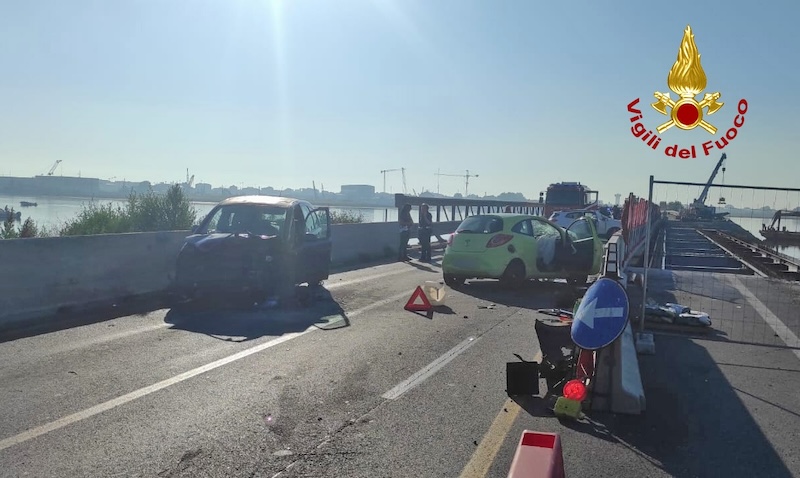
(161, 187)
(358, 191)
(202, 188)
(67, 186)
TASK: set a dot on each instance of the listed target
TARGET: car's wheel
(453, 281)
(577, 280)
(514, 275)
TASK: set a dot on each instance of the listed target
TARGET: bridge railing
(452, 209)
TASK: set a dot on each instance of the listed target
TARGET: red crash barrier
(634, 221)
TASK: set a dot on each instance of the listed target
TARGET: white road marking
(428, 370)
(336, 285)
(780, 329)
(129, 397)
(74, 345)
(109, 338)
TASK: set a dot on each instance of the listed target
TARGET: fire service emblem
(687, 79)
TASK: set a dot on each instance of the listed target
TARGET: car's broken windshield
(245, 219)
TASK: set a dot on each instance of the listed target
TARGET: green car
(517, 247)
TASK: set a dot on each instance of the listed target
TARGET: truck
(568, 196)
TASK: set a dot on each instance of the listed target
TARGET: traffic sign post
(602, 315)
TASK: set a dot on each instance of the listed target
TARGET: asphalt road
(352, 386)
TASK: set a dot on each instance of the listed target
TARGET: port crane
(53, 168)
(402, 170)
(465, 176)
(189, 180)
(698, 211)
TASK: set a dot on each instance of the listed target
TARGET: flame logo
(687, 77)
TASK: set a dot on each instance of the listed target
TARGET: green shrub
(9, 230)
(142, 213)
(346, 217)
(29, 229)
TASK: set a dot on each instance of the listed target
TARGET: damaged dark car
(254, 248)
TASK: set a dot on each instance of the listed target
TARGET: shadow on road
(71, 317)
(695, 423)
(237, 324)
(531, 294)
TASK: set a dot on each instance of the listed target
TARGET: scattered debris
(678, 314)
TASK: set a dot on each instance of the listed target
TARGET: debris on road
(678, 314)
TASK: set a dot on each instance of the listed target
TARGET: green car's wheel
(514, 275)
(453, 281)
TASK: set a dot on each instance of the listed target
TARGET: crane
(698, 209)
(704, 194)
(466, 176)
(189, 180)
(402, 170)
(52, 169)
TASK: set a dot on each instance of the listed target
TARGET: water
(754, 224)
(53, 212)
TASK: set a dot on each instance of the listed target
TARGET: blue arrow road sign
(601, 316)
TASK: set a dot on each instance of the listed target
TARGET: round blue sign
(602, 315)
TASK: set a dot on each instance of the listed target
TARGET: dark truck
(253, 248)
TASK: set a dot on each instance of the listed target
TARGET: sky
(285, 92)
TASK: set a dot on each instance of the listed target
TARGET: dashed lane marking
(428, 370)
(129, 397)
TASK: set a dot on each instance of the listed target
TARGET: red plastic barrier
(538, 456)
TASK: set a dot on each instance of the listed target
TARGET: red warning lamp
(575, 390)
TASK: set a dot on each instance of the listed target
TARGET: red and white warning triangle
(418, 295)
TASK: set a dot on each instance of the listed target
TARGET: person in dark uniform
(424, 232)
(405, 221)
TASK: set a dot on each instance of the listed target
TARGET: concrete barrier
(364, 242)
(618, 383)
(46, 275)
(43, 276)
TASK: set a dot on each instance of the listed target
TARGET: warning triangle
(418, 294)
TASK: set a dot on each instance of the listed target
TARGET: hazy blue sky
(280, 93)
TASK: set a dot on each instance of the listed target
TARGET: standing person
(406, 222)
(424, 232)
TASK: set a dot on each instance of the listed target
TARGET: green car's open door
(588, 255)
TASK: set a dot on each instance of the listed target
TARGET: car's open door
(588, 255)
(316, 249)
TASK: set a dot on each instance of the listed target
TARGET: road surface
(353, 386)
